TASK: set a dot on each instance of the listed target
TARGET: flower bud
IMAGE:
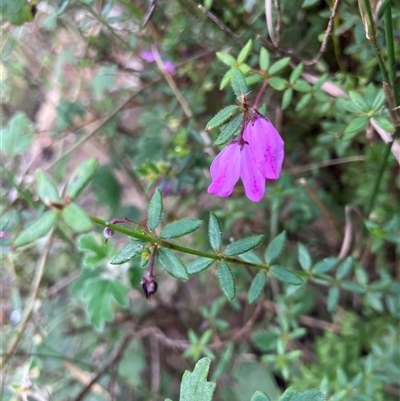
(149, 285)
(108, 233)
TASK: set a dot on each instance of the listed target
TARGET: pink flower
(150, 56)
(254, 158)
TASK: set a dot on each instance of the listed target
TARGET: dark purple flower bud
(108, 233)
(149, 285)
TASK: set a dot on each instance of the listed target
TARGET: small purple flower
(150, 56)
(255, 157)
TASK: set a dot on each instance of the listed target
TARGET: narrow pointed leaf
(279, 65)
(38, 229)
(257, 286)
(226, 280)
(332, 299)
(243, 245)
(214, 232)
(180, 228)
(46, 189)
(260, 396)
(275, 247)
(172, 264)
(81, 178)
(304, 257)
(244, 53)
(76, 218)
(226, 59)
(155, 210)
(286, 275)
(264, 59)
(229, 130)
(358, 101)
(198, 265)
(325, 265)
(355, 126)
(238, 83)
(223, 115)
(128, 252)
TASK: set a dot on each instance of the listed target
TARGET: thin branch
(275, 39)
(326, 36)
(348, 233)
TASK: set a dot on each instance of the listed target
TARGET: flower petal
(266, 146)
(253, 180)
(225, 171)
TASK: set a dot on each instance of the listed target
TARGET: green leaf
(128, 252)
(214, 232)
(295, 74)
(332, 299)
(260, 396)
(81, 178)
(279, 65)
(277, 83)
(244, 53)
(226, 280)
(238, 83)
(194, 386)
(95, 252)
(379, 100)
(99, 295)
(46, 189)
(76, 218)
(325, 265)
(38, 229)
(18, 136)
(223, 115)
(264, 59)
(384, 123)
(286, 276)
(302, 86)
(358, 101)
(155, 210)
(198, 265)
(229, 130)
(172, 264)
(304, 100)
(304, 257)
(243, 245)
(275, 247)
(180, 228)
(352, 286)
(257, 286)
(356, 125)
(345, 268)
(15, 11)
(308, 395)
(287, 98)
(226, 59)
(226, 79)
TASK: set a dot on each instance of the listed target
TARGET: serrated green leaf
(379, 100)
(287, 98)
(356, 125)
(302, 86)
(238, 83)
(260, 396)
(257, 286)
(194, 386)
(155, 210)
(295, 74)
(214, 232)
(264, 59)
(229, 130)
(226, 59)
(46, 189)
(275, 247)
(358, 101)
(198, 265)
(99, 294)
(325, 265)
(332, 299)
(76, 218)
(95, 251)
(226, 79)
(18, 136)
(304, 257)
(279, 65)
(180, 228)
(277, 83)
(244, 53)
(81, 178)
(223, 115)
(308, 395)
(384, 123)
(226, 280)
(172, 264)
(286, 275)
(243, 245)
(128, 252)
(244, 68)
(38, 229)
